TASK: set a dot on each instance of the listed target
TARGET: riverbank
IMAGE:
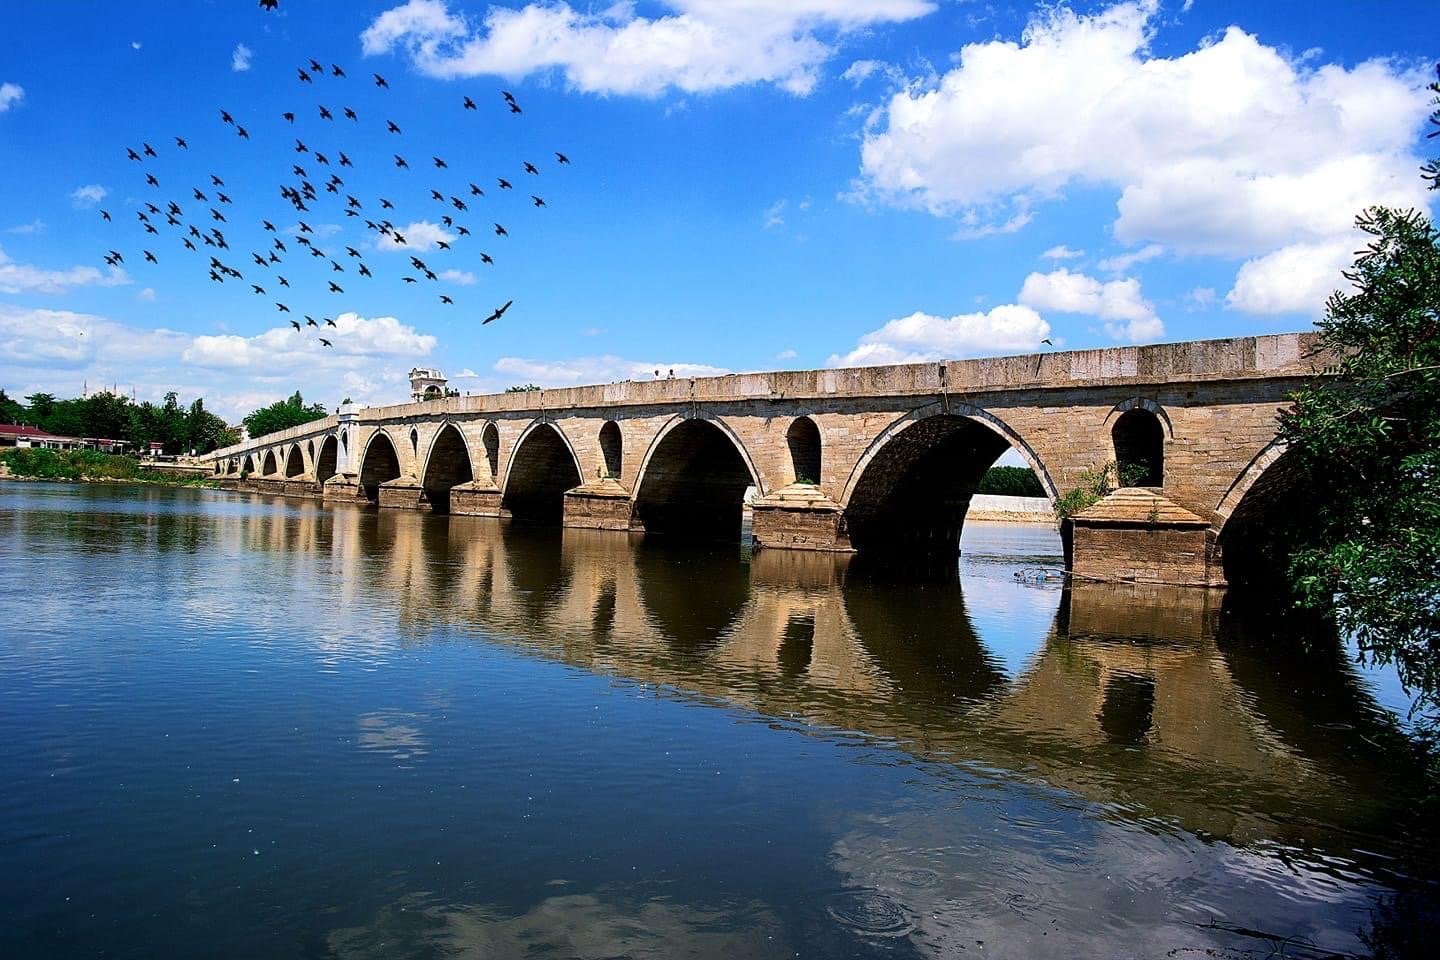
(88, 466)
(1003, 509)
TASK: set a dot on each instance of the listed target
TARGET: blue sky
(755, 184)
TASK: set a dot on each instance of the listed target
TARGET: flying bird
(344, 160)
(486, 258)
(501, 231)
(530, 168)
(300, 147)
(288, 116)
(304, 77)
(284, 282)
(440, 164)
(180, 142)
(335, 70)
(400, 162)
(295, 324)
(131, 153)
(445, 299)
(538, 201)
(316, 67)
(259, 290)
(350, 114)
(105, 215)
(242, 133)
(499, 312)
(326, 342)
(1048, 341)
(149, 150)
(463, 231)
(151, 257)
(325, 114)
(335, 287)
(284, 309)
(226, 117)
(331, 322)
(476, 191)
(150, 179)
(216, 181)
(470, 104)
(380, 81)
(504, 184)
(561, 157)
(365, 271)
(391, 126)
(386, 204)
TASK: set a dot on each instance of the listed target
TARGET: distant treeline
(113, 417)
(1011, 482)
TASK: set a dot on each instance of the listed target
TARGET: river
(240, 726)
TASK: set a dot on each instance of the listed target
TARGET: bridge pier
(342, 488)
(476, 498)
(1137, 535)
(602, 504)
(403, 493)
(799, 517)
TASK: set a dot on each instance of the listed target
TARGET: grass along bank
(90, 465)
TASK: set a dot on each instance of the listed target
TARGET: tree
(283, 415)
(1367, 442)
(11, 410)
(521, 388)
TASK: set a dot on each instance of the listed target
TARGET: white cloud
(786, 355)
(1232, 149)
(26, 229)
(240, 58)
(1201, 298)
(775, 215)
(147, 295)
(285, 348)
(1127, 314)
(420, 237)
(1294, 279)
(23, 278)
(134, 44)
(1062, 252)
(922, 336)
(694, 46)
(10, 94)
(88, 195)
(1124, 261)
(603, 369)
(463, 278)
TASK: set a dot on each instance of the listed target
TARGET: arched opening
(694, 484)
(610, 452)
(249, 467)
(1264, 529)
(345, 441)
(432, 392)
(217, 468)
(294, 462)
(912, 496)
(1139, 440)
(380, 464)
(414, 442)
(542, 468)
(803, 438)
(490, 438)
(449, 464)
(325, 465)
(268, 467)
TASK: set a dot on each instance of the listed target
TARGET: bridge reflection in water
(1161, 701)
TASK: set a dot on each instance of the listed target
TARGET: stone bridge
(879, 460)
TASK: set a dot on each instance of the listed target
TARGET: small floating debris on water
(1039, 574)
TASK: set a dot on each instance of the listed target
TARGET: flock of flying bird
(307, 199)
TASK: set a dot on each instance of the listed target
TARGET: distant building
(19, 435)
(427, 383)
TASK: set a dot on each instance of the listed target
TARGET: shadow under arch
(542, 467)
(326, 462)
(911, 490)
(447, 463)
(249, 465)
(1262, 521)
(379, 463)
(692, 481)
(294, 462)
(691, 620)
(268, 465)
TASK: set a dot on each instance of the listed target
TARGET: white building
(427, 383)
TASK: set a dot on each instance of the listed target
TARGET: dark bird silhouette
(1048, 341)
(344, 160)
(447, 220)
(335, 70)
(380, 81)
(310, 321)
(151, 257)
(458, 204)
(538, 201)
(350, 114)
(324, 341)
(530, 168)
(445, 299)
(320, 158)
(280, 245)
(391, 126)
(150, 228)
(470, 104)
(222, 198)
(417, 263)
(259, 260)
(269, 4)
(226, 117)
(284, 282)
(331, 322)
(561, 157)
(295, 324)
(504, 184)
(259, 290)
(509, 97)
(325, 114)
(216, 277)
(515, 107)
(352, 251)
(216, 215)
(304, 77)
(352, 202)
(300, 147)
(129, 152)
(499, 312)
(501, 231)
(150, 179)
(288, 116)
(284, 309)
(442, 244)
(149, 150)
(365, 271)
(400, 162)
(116, 255)
(336, 268)
(486, 258)
(305, 227)
(440, 164)
(268, 225)
(476, 191)
(398, 238)
(216, 181)
(316, 67)
(298, 170)
(437, 195)
(242, 133)
(463, 231)
(180, 142)
(188, 244)
(386, 204)
(409, 279)
(335, 287)
(105, 215)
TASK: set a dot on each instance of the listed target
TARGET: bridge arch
(542, 466)
(1260, 519)
(911, 489)
(379, 462)
(447, 463)
(294, 462)
(267, 466)
(249, 466)
(612, 450)
(326, 463)
(803, 441)
(490, 441)
(1139, 429)
(693, 479)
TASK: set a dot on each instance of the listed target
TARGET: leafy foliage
(1011, 482)
(282, 415)
(1095, 485)
(1367, 442)
(114, 417)
(40, 464)
(521, 388)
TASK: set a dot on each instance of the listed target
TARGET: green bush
(1095, 484)
(40, 464)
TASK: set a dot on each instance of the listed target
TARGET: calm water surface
(238, 726)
